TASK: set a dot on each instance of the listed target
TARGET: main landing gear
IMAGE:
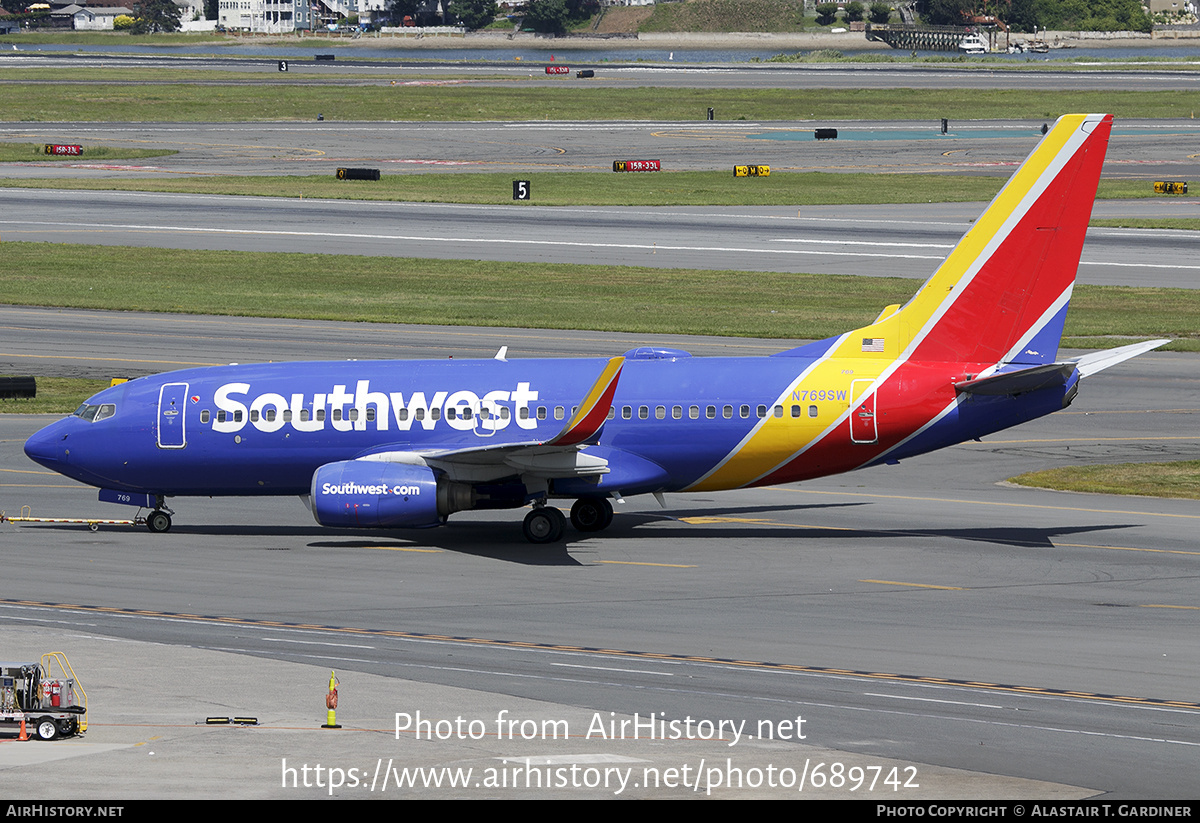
(591, 514)
(545, 524)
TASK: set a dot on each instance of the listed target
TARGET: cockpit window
(92, 412)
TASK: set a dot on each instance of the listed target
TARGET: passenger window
(711, 412)
(541, 413)
(451, 413)
(612, 413)
(626, 412)
(435, 414)
(523, 413)
(320, 415)
(643, 412)
(694, 412)
(812, 411)
(254, 415)
(745, 412)
(221, 416)
(677, 412)
(558, 412)
(728, 412)
(660, 412)
(761, 411)
(204, 416)
(779, 411)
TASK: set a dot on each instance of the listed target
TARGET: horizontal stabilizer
(1053, 374)
(1018, 382)
(1098, 361)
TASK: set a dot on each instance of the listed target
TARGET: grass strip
(1181, 479)
(523, 295)
(57, 395)
(134, 102)
(680, 188)
(36, 152)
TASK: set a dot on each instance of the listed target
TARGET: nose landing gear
(158, 521)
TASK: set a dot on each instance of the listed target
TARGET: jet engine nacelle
(377, 495)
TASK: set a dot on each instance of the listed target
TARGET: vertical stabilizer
(1002, 293)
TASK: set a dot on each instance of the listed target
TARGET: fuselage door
(862, 416)
(172, 402)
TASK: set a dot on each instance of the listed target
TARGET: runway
(898, 241)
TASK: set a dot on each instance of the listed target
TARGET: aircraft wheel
(591, 514)
(47, 729)
(158, 521)
(544, 525)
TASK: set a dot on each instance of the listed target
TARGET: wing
(561, 456)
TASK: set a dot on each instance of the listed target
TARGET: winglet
(589, 418)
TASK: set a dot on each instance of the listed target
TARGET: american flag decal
(872, 344)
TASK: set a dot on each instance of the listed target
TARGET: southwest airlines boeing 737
(405, 444)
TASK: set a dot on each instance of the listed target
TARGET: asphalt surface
(899, 241)
(952, 637)
(918, 616)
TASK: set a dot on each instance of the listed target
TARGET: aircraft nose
(42, 447)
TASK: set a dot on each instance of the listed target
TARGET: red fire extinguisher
(55, 692)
